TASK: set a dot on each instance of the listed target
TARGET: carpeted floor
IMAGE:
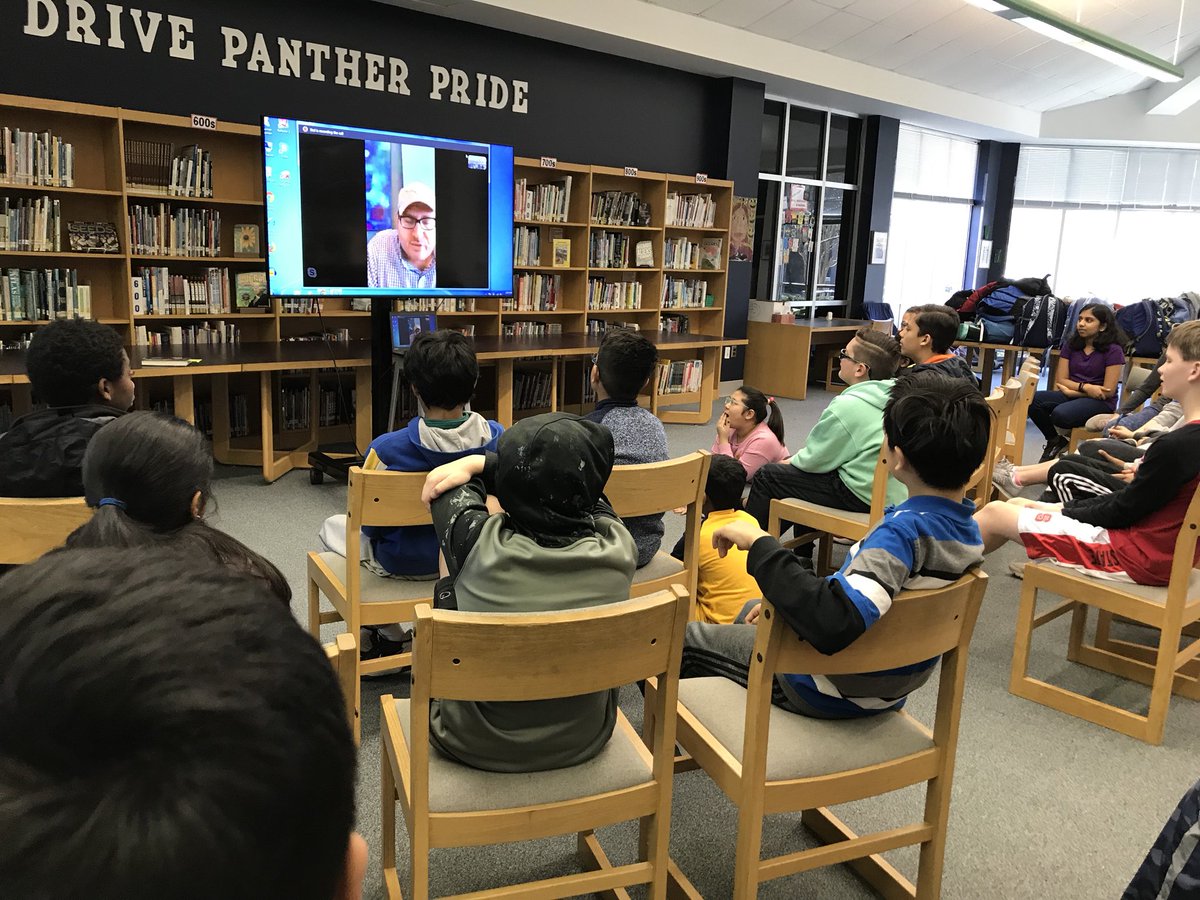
(1044, 805)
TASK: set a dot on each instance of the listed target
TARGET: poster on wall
(741, 228)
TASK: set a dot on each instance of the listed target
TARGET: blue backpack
(1000, 302)
(1147, 324)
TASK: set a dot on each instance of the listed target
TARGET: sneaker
(375, 645)
(1002, 477)
(1016, 568)
(1054, 448)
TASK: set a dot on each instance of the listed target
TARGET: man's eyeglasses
(429, 223)
(842, 354)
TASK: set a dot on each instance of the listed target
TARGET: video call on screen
(333, 199)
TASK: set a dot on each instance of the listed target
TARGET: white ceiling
(953, 44)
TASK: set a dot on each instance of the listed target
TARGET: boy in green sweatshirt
(837, 464)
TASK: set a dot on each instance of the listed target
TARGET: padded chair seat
(374, 589)
(800, 747)
(454, 787)
(661, 566)
(860, 517)
(1145, 592)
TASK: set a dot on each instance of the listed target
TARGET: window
(809, 164)
(1119, 223)
(931, 217)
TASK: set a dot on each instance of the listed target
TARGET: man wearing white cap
(404, 256)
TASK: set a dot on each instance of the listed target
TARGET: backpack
(1000, 302)
(1147, 324)
(1039, 321)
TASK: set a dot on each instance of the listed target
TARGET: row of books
(533, 291)
(619, 208)
(682, 292)
(599, 326)
(156, 291)
(690, 210)
(156, 166)
(674, 324)
(16, 341)
(30, 295)
(614, 294)
(527, 250)
(531, 389)
(684, 253)
(300, 305)
(31, 224)
(680, 376)
(530, 329)
(239, 416)
(435, 304)
(178, 337)
(329, 334)
(549, 202)
(182, 231)
(609, 250)
(38, 158)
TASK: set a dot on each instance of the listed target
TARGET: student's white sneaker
(1002, 478)
(1016, 568)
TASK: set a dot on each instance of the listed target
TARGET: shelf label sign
(208, 123)
(549, 162)
(701, 178)
(631, 171)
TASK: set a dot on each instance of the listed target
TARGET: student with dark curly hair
(79, 369)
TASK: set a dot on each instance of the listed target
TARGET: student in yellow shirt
(723, 585)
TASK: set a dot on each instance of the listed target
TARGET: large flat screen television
(364, 213)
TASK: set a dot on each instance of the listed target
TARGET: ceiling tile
(740, 13)
(791, 19)
(693, 7)
(832, 31)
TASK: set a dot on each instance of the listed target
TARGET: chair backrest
(1001, 402)
(920, 625)
(1013, 444)
(539, 656)
(1185, 550)
(879, 484)
(381, 497)
(33, 527)
(342, 653)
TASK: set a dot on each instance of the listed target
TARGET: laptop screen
(406, 327)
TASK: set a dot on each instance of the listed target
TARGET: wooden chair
(343, 655)
(826, 522)
(375, 497)
(1013, 445)
(34, 527)
(1001, 402)
(1134, 376)
(536, 656)
(1166, 669)
(649, 488)
(768, 760)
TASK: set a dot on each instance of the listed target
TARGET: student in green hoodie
(837, 465)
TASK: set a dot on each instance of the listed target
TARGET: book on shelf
(245, 240)
(161, 230)
(614, 294)
(690, 210)
(710, 252)
(186, 337)
(599, 326)
(92, 237)
(148, 165)
(527, 245)
(548, 202)
(680, 376)
(36, 158)
(562, 253)
(533, 291)
(643, 254)
(156, 362)
(157, 291)
(38, 295)
(191, 172)
(681, 253)
(619, 208)
(608, 250)
(30, 224)
(251, 289)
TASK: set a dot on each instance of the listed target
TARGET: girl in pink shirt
(751, 430)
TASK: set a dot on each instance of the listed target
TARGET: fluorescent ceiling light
(1048, 23)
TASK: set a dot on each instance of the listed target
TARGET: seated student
(1128, 535)
(926, 334)
(937, 429)
(1085, 380)
(557, 545)
(837, 465)
(81, 371)
(149, 476)
(442, 369)
(622, 366)
(1139, 404)
(723, 585)
(750, 430)
(169, 731)
(1171, 869)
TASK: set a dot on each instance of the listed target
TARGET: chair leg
(389, 797)
(1024, 635)
(933, 851)
(1161, 688)
(1079, 617)
(824, 555)
(314, 610)
(748, 854)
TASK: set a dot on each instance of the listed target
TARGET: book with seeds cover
(92, 237)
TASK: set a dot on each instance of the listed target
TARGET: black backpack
(1039, 321)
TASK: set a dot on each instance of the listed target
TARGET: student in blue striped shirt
(937, 429)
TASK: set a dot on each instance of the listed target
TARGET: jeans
(1053, 409)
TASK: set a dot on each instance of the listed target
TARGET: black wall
(881, 137)
(583, 106)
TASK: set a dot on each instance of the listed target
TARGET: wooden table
(987, 362)
(777, 360)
